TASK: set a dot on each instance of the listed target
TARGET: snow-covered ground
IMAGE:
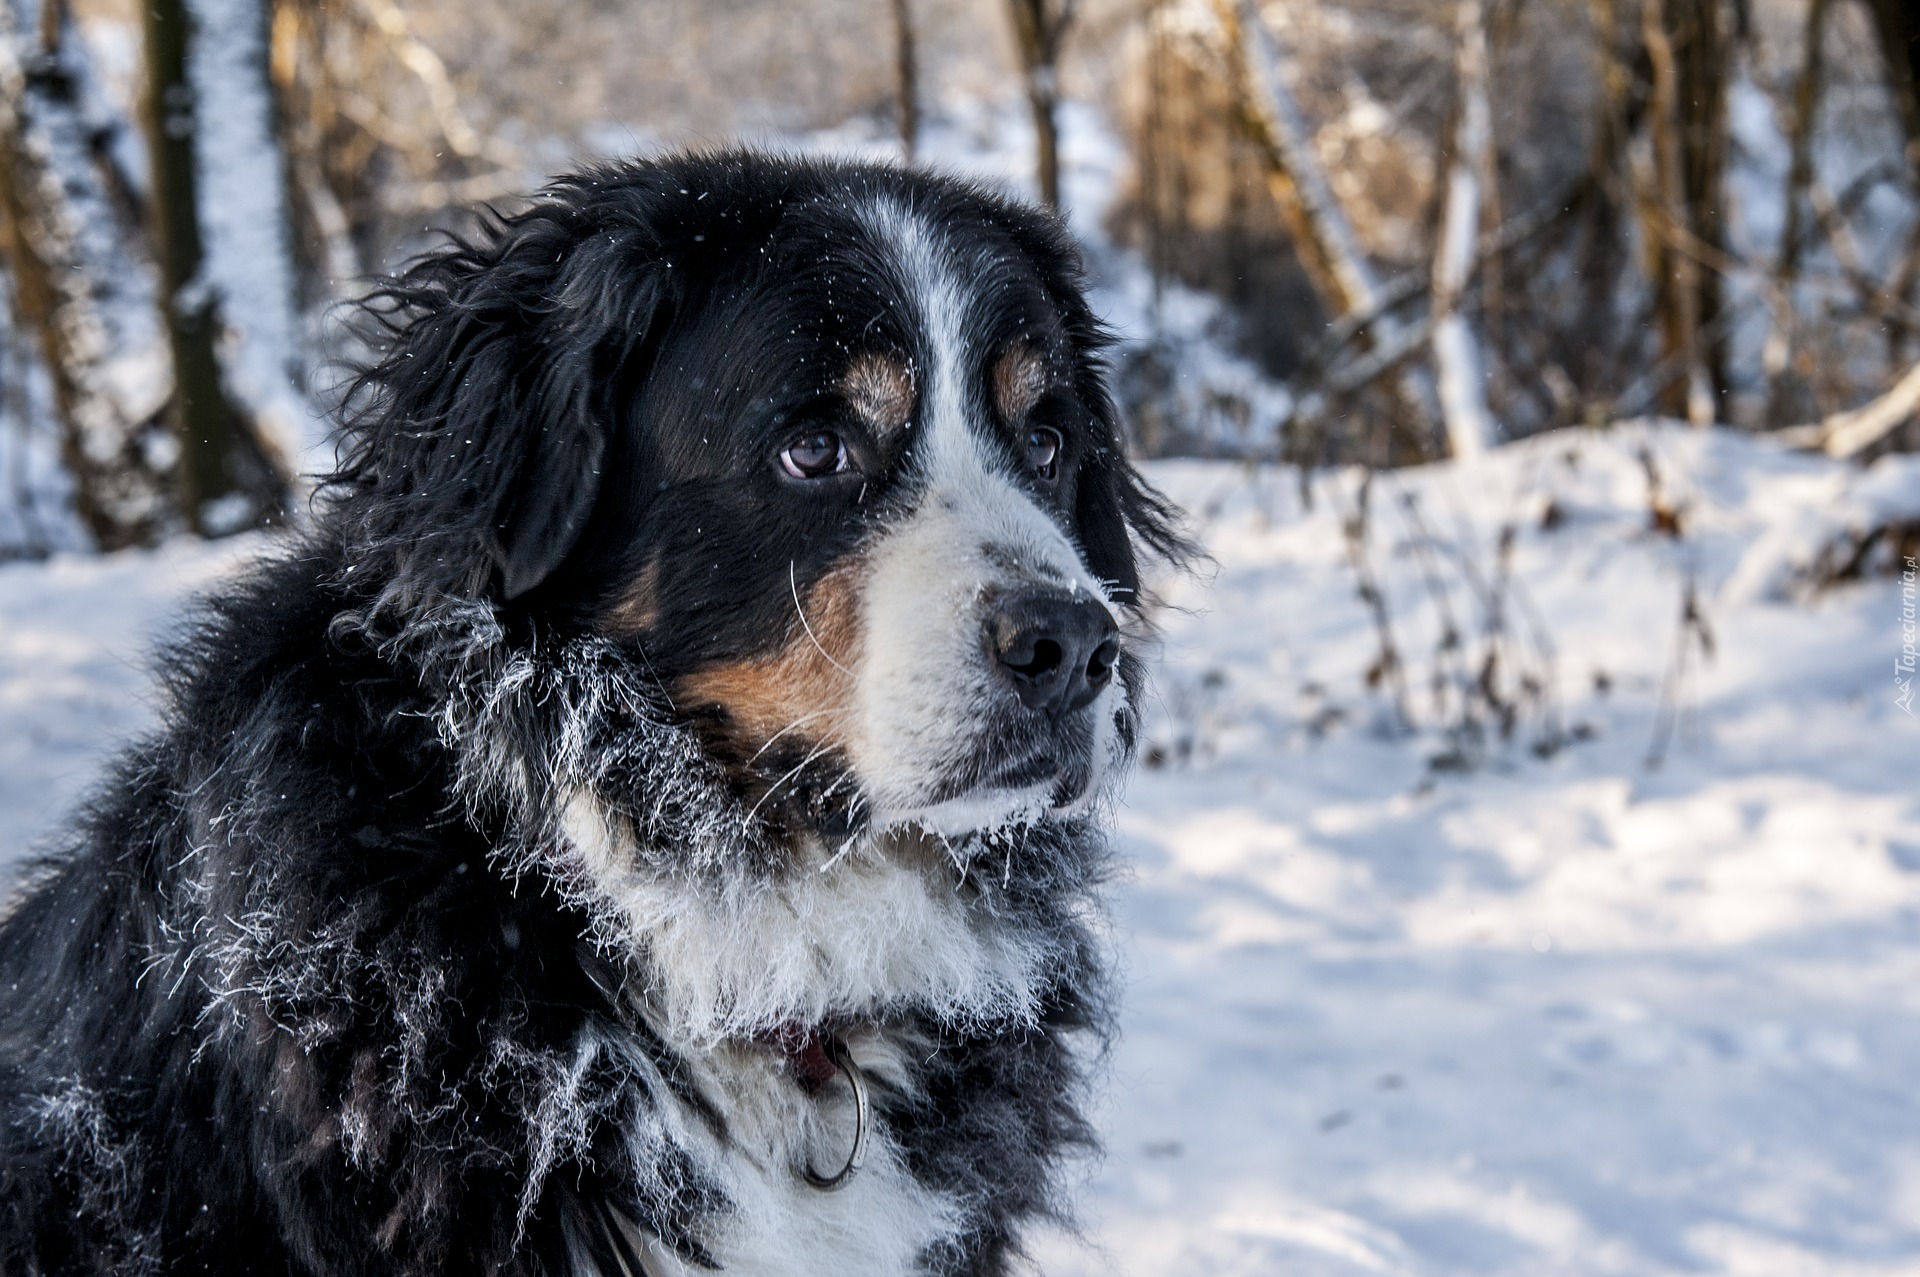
(1560, 1015)
(1550, 1016)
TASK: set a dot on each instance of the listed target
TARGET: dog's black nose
(1057, 650)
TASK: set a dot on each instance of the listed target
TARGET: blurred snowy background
(1525, 854)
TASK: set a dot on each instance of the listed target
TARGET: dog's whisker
(774, 788)
(800, 721)
(793, 584)
(839, 854)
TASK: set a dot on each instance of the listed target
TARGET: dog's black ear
(1116, 511)
(475, 444)
(1104, 538)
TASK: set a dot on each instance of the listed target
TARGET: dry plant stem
(1387, 667)
(1553, 730)
(1536, 671)
(1449, 670)
(1511, 589)
(1693, 630)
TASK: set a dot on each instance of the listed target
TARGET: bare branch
(1847, 434)
(417, 57)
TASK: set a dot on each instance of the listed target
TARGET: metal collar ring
(842, 1059)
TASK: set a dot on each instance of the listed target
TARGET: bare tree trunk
(227, 481)
(1703, 54)
(906, 78)
(1039, 31)
(1676, 273)
(1898, 25)
(1777, 358)
(1604, 251)
(1152, 170)
(81, 283)
(1456, 351)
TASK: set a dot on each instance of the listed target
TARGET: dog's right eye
(815, 455)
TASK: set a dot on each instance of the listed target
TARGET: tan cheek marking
(806, 685)
(638, 607)
(880, 389)
(1019, 379)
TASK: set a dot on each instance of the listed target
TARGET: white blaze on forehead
(974, 533)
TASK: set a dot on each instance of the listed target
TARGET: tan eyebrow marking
(880, 389)
(1019, 379)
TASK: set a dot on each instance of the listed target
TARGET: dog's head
(829, 447)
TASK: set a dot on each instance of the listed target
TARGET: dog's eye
(815, 455)
(1043, 451)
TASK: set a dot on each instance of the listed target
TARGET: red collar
(806, 1052)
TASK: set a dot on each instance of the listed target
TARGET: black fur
(315, 988)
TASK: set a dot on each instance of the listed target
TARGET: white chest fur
(845, 940)
(879, 1222)
(853, 936)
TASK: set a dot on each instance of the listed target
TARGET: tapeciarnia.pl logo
(1903, 663)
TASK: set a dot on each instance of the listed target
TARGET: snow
(1508, 1014)
(1573, 1015)
(75, 631)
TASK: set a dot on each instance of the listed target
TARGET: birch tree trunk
(244, 223)
(1324, 240)
(81, 282)
(1456, 350)
(1328, 249)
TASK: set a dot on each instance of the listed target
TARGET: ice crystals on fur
(736, 934)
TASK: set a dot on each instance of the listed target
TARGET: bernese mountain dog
(649, 819)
